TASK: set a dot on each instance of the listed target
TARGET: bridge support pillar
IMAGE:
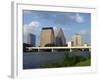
(89, 50)
(29, 49)
(82, 49)
(70, 50)
(52, 50)
(38, 50)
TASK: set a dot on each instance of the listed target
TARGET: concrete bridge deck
(60, 48)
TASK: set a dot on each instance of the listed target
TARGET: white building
(85, 45)
(69, 44)
(77, 40)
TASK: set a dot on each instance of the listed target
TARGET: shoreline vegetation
(70, 60)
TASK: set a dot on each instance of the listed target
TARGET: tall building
(47, 37)
(60, 38)
(32, 39)
(77, 40)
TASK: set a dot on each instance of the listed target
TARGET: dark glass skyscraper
(32, 39)
(60, 38)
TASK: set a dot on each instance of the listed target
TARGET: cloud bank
(77, 18)
(31, 27)
(58, 17)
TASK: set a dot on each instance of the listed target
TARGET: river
(33, 60)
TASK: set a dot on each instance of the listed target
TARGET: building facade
(32, 39)
(59, 37)
(77, 40)
(47, 37)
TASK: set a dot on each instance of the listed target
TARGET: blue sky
(70, 22)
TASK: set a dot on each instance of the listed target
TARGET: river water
(33, 60)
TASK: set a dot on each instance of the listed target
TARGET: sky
(70, 22)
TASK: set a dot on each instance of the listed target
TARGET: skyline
(70, 22)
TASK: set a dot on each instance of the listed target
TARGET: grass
(70, 59)
(84, 63)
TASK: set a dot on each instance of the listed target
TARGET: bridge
(52, 49)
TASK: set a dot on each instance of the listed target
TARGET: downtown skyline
(70, 22)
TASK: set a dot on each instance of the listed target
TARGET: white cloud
(85, 32)
(32, 27)
(77, 18)
(28, 28)
(34, 24)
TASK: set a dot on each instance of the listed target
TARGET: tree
(49, 45)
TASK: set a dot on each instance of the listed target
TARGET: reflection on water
(32, 60)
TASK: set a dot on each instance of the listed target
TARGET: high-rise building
(77, 40)
(47, 37)
(60, 38)
(32, 39)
